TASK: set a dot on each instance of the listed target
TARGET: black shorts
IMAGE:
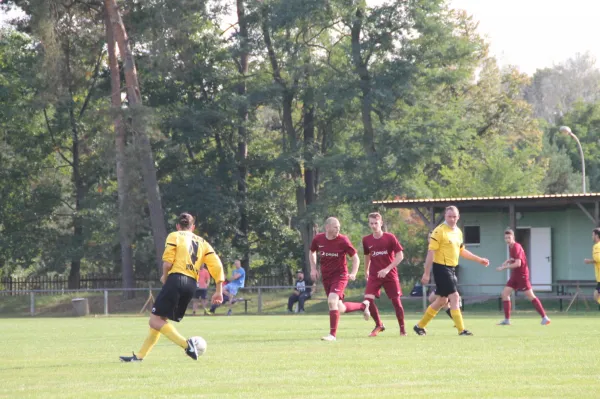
(200, 293)
(598, 287)
(445, 279)
(174, 297)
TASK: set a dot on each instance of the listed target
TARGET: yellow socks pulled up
(458, 319)
(149, 343)
(427, 317)
(170, 332)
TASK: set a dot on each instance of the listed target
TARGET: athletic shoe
(366, 312)
(419, 330)
(466, 332)
(377, 330)
(505, 322)
(546, 320)
(191, 350)
(328, 338)
(128, 359)
(403, 333)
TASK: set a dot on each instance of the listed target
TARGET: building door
(540, 258)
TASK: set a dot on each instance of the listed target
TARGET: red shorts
(519, 283)
(335, 285)
(390, 285)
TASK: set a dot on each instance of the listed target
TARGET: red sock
(538, 306)
(334, 318)
(374, 312)
(354, 306)
(506, 309)
(399, 313)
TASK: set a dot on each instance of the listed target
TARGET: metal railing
(263, 295)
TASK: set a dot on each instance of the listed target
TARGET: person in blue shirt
(230, 290)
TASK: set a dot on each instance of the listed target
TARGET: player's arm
(215, 268)
(595, 258)
(428, 263)
(399, 256)
(367, 265)
(168, 256)
(510, 264)
(465, 253)
(355, 265)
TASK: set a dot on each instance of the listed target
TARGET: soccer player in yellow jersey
(445, 247)
(184, 255)
(596, 261)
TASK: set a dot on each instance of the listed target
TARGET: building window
(472, 235)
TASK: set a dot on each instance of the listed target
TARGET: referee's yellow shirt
(447, 243)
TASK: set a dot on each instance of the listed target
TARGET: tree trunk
(242, 150)
(125, 236)
(75, 272)
(308, 118)
(360, 66)
(157, 220)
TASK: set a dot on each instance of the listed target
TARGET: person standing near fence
(383, 253)
(184, 253)
(445, 248)
(596, 261)
(519, 279)
(201, 290)
(332, 248)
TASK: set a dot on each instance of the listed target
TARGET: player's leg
(334, 314)
(349, 307)
(433, 296)
(537, 304)
(454, 299)
(597, 293)
(393, 291)
(372, 291)
(505, 295)
(291, 301)
(443, 287)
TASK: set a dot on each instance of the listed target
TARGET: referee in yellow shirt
(596, 261)
(445, 247)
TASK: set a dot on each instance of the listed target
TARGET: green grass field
(282, 357)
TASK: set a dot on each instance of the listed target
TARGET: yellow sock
(458, 320)
(149, 343)
(170, 332)
(429, 314)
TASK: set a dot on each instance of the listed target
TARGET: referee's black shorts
(174, 297)
(445, 279)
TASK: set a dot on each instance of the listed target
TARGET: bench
(245, 300)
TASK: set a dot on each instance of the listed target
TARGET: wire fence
(271, 300)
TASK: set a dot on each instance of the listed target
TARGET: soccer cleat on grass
(366, 312)
(191, 350)
(419, 330)
(546, 320)
(377, 330)
(465, 332)
(505, 322)
(129, 359)
(328, 338)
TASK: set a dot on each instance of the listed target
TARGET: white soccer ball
(200, 345)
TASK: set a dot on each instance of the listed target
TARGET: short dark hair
(509, 231)
(597, 231)
(185, 220)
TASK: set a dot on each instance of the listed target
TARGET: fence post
(105, 303)
(424, 297)
(32, 303)
(259, 300)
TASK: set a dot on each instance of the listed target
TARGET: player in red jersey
(332, 248)
(519, 279)
(383, 253)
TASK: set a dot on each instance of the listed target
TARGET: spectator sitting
(231, 289)
(301, 293)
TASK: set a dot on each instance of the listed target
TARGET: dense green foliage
(340, 104)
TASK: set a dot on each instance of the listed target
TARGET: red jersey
(383, 252)
(332, 254)
(516, 252)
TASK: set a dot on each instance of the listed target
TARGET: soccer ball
(200, 345)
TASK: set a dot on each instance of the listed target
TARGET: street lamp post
(567, 130)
